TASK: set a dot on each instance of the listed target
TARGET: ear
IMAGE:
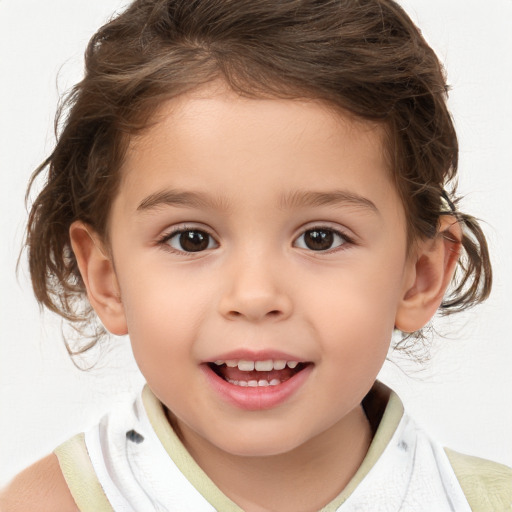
(99, 277)
(430, 271)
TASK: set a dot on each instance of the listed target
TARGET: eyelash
(167, 237)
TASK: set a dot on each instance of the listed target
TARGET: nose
(255, 290)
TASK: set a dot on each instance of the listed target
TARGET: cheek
(356, 312)
(364, 295)
(163, 312)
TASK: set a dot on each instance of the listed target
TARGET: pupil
(193, 241)
(317, 240)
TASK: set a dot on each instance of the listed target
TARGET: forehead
(217, 142)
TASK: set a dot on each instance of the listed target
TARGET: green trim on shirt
(80, 476)
(487, 485)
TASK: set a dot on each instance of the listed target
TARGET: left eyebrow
(181, 198)
(299, 198)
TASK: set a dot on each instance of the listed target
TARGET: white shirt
(142, 466)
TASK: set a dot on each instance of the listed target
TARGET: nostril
(270, 314)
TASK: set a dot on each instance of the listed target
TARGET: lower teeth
(254, 383)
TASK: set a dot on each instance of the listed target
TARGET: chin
(261, 444)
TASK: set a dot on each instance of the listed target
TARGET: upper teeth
(261, 366)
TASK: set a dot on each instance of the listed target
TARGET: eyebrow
(299, 198)
(181, 198)
(290, 200)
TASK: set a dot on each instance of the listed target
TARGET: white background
(462, 396)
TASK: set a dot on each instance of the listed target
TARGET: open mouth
(245, 373)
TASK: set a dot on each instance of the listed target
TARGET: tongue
(236, 374)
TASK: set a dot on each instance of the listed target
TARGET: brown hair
(364, 56)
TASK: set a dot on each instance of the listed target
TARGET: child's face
(257, 230)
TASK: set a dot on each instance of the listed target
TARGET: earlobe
(429, 274)
(99, 277)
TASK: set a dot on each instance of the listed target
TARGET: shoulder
(39, 488)
(486, 484)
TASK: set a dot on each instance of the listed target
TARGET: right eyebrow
(299, 198)
(171, 197)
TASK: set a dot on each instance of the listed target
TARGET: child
(256, 192)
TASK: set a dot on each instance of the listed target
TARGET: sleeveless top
(133, 461)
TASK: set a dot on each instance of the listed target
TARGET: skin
(39, 488)
(256, 163)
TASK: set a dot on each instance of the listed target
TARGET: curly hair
(364, 56)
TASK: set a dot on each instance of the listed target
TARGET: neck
(306, 478)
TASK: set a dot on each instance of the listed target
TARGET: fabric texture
(487, 485)
(79, 474)
(133, 462)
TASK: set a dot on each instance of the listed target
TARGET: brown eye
(191, 240)
(320, 239)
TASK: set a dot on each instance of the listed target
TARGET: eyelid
(186, 226)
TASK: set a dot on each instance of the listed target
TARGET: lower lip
(256, 398)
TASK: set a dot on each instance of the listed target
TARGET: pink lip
(256, 398)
